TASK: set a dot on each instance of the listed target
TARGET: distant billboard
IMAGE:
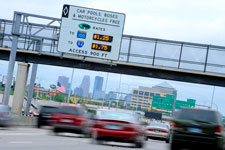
(4, 79)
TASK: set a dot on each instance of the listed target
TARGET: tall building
(85, 86)
(128, 98)
(78, 91)
(111, 96)
(98, 95)
(142, 97)
(165, 87)
(97, 90)
(63, 80)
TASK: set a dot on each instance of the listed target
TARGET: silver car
(4, 116)
(157, 130)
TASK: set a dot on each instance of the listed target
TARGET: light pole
(128, 89)
(216, 106)
(105, 89)
(110, 99)
(212, 97)
(119, 93)
(68, 99)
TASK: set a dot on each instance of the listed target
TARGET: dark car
(71, 118)
(194, 128)
(45, 115)
(118, 127)
(5, 116)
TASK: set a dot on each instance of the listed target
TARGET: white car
(157, 130)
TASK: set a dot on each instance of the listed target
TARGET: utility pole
(105, 89)
(212, 97)
(118, 94)
(71, 81)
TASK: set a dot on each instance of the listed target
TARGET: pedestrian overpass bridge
(140, 56)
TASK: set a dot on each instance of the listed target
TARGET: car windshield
(198, 115)
(46, 109)
(71, 110)
(158, 124)
(116, 116)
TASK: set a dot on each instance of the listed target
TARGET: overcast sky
(198, 21)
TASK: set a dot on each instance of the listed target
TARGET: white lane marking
(22, 134)
(85, 141)
(20, 142)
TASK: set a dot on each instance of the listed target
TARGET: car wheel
(167, 140)
(38, 125)
(96, 139)
(139, 144)
(56, 131)
(174, 146)
(86, 133)
(146, 138)
(99, 141)
(219, 148)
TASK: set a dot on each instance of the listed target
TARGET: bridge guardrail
(134, 49)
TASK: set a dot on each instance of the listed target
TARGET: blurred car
(5, 116)
(45, 115)
(157, 130)
(71, 118)
(118, 127)
(197, 128)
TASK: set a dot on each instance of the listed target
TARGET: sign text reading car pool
(91, 32)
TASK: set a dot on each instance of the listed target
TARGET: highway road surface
(44, 139)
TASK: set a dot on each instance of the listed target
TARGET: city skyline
(186, 90)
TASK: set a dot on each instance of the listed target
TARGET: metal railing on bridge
(134, 49)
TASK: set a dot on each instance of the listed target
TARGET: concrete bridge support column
(20, 88)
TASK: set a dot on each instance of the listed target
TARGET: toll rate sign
(91, 32)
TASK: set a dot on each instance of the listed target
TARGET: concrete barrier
(18, 121)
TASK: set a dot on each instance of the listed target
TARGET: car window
(116, 116)
(71, 110)
(158, 124)
(198, 115)
(49, 109)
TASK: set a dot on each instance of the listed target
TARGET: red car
(118, 127)
(70, 118)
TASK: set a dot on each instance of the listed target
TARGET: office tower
(85, 85)
(97, 90)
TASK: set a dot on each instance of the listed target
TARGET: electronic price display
(91, 32)
(105, 38)
(101, 47)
